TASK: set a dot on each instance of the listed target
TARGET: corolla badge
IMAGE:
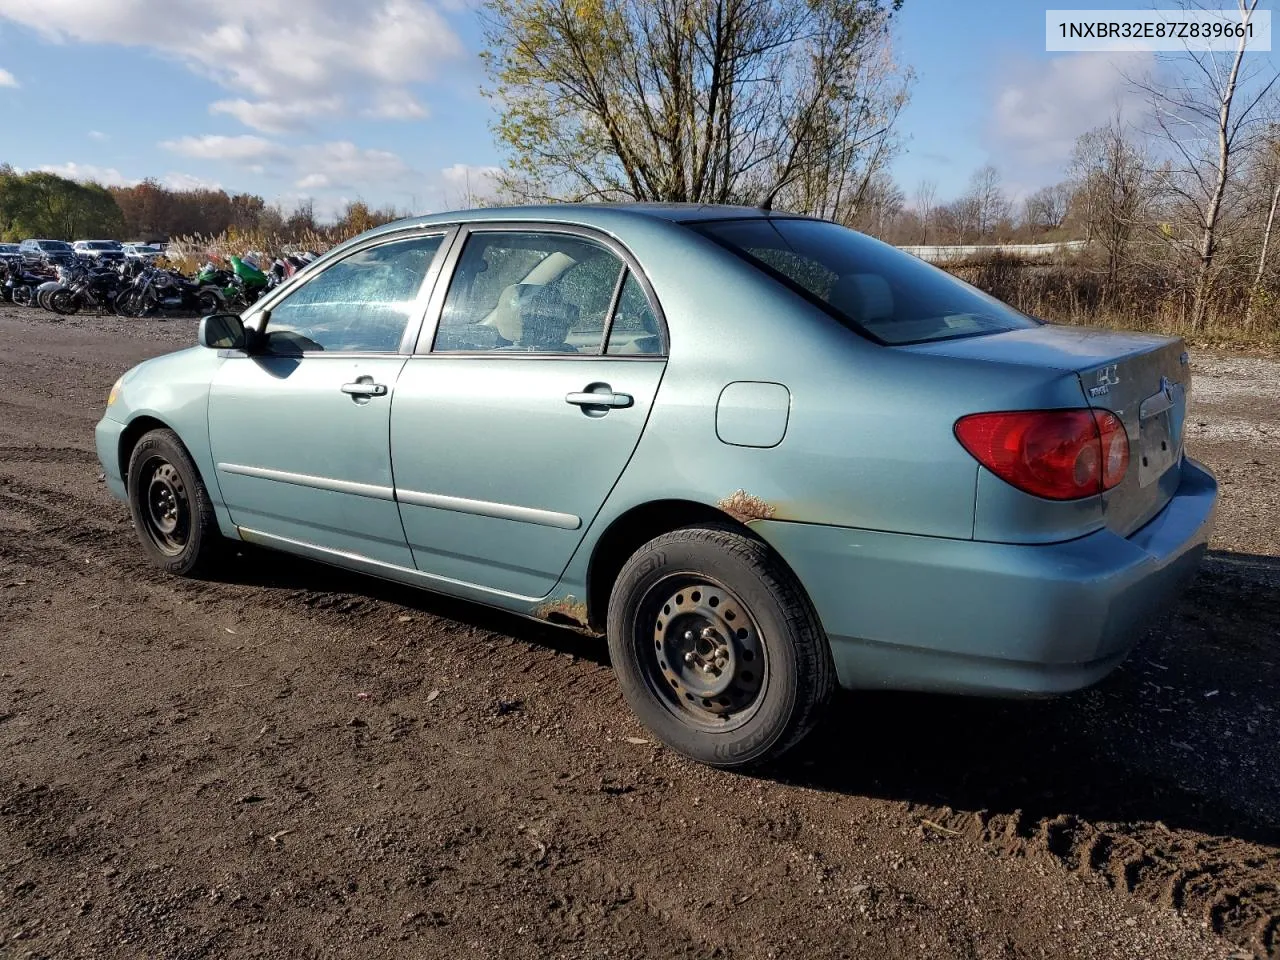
(1108, 377)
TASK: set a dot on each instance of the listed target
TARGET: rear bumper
(962, 616)
(107, 439)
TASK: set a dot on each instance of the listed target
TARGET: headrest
(866, 297)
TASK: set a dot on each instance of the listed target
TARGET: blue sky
(333, 99)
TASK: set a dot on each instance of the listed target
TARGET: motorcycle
(250, 279)
(20, 283)
(156, 291)
(94, 286)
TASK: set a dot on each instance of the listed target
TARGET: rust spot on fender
(564, 610)
(745, 507)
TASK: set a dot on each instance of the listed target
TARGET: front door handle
(606, 398)
(365, 388)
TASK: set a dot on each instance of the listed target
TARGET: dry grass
(189, 253)
(1148, 298)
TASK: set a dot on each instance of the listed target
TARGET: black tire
(773, 663)
(162, 477)
(208, 303)
(128, 305)
(64, 302)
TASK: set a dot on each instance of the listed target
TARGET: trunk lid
(1143, 379)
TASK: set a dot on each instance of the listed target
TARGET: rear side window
(361, 304)
(518, 292)
(869, 286)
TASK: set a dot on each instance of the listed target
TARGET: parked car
(46, 251)
(9, 251)
(141, 251)
(763, 454)
(103, 250)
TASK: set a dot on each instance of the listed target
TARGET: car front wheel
(171, 510)
(717, 648)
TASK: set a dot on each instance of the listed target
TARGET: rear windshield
(869, 286)
(102, 245)
(53, 245)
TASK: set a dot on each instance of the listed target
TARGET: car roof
(600, 215)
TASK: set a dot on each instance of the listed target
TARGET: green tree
(48, 206)
(693, 100)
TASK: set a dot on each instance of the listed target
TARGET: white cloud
(266, 48)
(187, 181)
(344, 165)
(271, 116)
(396, 104)
(7, 79)
(465, 179)
(241, 149)
(98, 135)
(464, 185)
(1043, 107)
(107, 176)
(111, 177)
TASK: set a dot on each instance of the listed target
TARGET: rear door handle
(589, 399)
(362, 388)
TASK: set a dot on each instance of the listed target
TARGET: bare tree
(1269, 174)
(1207, 115)
(926, 201)
(990, 205)
(1047, 208)
(694, 100)
(1112, 193)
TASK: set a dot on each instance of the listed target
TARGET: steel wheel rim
(701, 652)
(166, 510)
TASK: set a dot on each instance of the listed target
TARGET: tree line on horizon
(46, 206)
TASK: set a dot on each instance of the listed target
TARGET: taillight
(1056, 454)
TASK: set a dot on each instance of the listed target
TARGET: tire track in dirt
(1229, 884)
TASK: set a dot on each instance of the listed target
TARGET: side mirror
(223, 331)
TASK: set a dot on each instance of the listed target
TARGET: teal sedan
(763, 454)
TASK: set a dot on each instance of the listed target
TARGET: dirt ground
(292, 761)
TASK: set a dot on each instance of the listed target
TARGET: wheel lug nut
(688, 658)
(688, 634)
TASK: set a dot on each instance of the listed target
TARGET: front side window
(520, 292)
(867, 285)
(361, 304)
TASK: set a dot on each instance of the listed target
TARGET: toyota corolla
(763, 454)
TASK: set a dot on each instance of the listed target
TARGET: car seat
(535, 317)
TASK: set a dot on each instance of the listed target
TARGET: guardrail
(1022, 251)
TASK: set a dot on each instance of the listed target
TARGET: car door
(512, 422)
(298, 426)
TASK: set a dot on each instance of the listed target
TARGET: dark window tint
(635, 328)
(528, 293)
(362, 303)
(870, 286)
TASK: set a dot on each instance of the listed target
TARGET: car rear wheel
(172, 513)
(717, 648)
